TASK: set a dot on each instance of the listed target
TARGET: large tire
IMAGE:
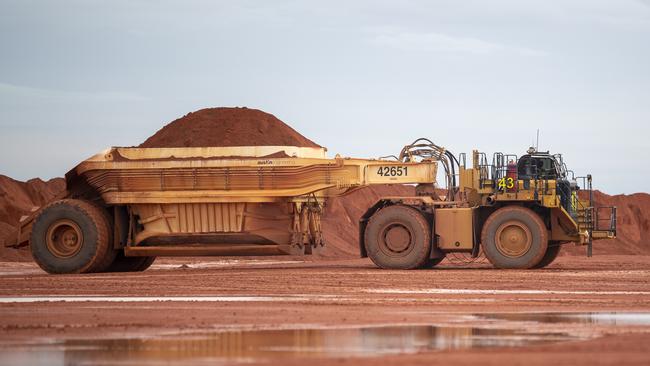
(72, 236)
(514, 237)
(551, 254)
(123, 263)
(398, 237)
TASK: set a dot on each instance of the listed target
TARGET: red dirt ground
(339, 293)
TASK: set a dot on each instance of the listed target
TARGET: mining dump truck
(125, 206)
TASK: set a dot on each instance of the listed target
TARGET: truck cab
(535, 165)
(546, 167)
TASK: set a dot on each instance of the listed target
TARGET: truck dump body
(258, 200)
(182, 175)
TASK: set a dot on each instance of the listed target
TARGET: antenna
(537, 144)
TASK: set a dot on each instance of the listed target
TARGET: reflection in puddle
(275, 345)
(599, 318)
(245, 346)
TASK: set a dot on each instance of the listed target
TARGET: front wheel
(514, 237)
(398, 237)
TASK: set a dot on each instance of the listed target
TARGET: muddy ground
(280, 293)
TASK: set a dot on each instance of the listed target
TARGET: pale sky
(363, 78)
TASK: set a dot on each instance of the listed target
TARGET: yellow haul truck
(126, 206)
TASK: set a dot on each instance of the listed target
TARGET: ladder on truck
(598, 221)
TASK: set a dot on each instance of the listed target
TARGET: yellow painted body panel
(455, 228)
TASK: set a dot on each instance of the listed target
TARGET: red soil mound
(17, 199)
(227, 127)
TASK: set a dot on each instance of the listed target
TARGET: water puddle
(261, 345)
(244, 346)
(597, 318)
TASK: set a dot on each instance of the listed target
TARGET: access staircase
(599, 222)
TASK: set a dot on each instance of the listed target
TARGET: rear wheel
(551, 254)
(123, 263)
(72, 236)
(398, 237)
(514, 237)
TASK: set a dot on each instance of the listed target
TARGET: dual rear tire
(76, 236)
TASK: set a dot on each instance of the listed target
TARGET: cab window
(536, 168)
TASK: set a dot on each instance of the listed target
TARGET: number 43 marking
(506, 183)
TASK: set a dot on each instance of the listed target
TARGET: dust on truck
(126, 206)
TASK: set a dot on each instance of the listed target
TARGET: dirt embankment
(244, 126)
(17, 199)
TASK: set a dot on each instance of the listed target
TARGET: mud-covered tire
(431, 262)
(72, 236)
(398, 237)
(123, 263)
(514, 237)
(551, 254)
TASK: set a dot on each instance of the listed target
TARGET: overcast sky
(360, 77)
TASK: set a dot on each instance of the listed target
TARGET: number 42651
(392, 171)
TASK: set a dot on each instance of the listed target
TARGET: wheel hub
(513, 239)
(64, 239)
(397, 238)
